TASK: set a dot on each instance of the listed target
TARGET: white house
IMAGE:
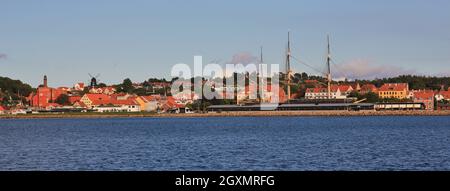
(117, 108)
(79, 86)
(337, 92)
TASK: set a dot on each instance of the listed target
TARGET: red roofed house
(95, 100)
(367, 88)
(79, 86)
(79, 104)
(440, 97)
(114, 103)
(149, 103)
(2, 110)
(170, 104)
(345, 89)
(73, 99)
(128, 104)
(356, 86)
(443, 95)
(426, 97)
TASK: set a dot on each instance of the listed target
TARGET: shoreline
(231, 114)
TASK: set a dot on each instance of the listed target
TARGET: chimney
(45, 81)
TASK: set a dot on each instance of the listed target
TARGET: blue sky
(68, 39)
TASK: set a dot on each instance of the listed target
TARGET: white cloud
(364, 69)
(243, 58)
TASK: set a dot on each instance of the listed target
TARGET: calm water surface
(241, 143)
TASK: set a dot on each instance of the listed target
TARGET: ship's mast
(328, 68)
(288, 68)
(260, 76)
(261, 58)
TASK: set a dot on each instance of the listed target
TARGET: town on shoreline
(407, 95)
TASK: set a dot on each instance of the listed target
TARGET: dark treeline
(13, 90)
(415, 82)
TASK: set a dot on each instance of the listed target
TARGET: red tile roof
(424, 95)
(368, 87)
(99, 99)
(129, 101)
(73, 99)
(150, 98)
(316, 90)
(445, 94)
(81, 85)
(334, 88)
(394, 87)
(343, 88)
(81, 104)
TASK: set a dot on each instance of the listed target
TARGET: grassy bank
(231, 114)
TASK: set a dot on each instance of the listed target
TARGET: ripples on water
(272, 143)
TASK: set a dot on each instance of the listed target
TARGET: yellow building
(148, 103)
(394, 90)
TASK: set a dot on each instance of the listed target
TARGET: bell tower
(45, 81)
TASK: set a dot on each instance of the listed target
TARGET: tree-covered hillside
(13, 90)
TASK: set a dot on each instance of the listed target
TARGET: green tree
(63, 99)
(101, 85)
(126, 86)
(371, 97)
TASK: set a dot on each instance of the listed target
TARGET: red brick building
(426, 97)
(45, 96)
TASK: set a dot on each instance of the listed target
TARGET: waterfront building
(92, 100)
(126, 103)
(394, 90)
(45, 96)
(426, 97)
(170, 104)
(399, 106)
(117, 108)
(2, 110)
(79, 104)
(149, 103)
(337, 92)
(443, 95)
(107, 103)
(443, 106)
